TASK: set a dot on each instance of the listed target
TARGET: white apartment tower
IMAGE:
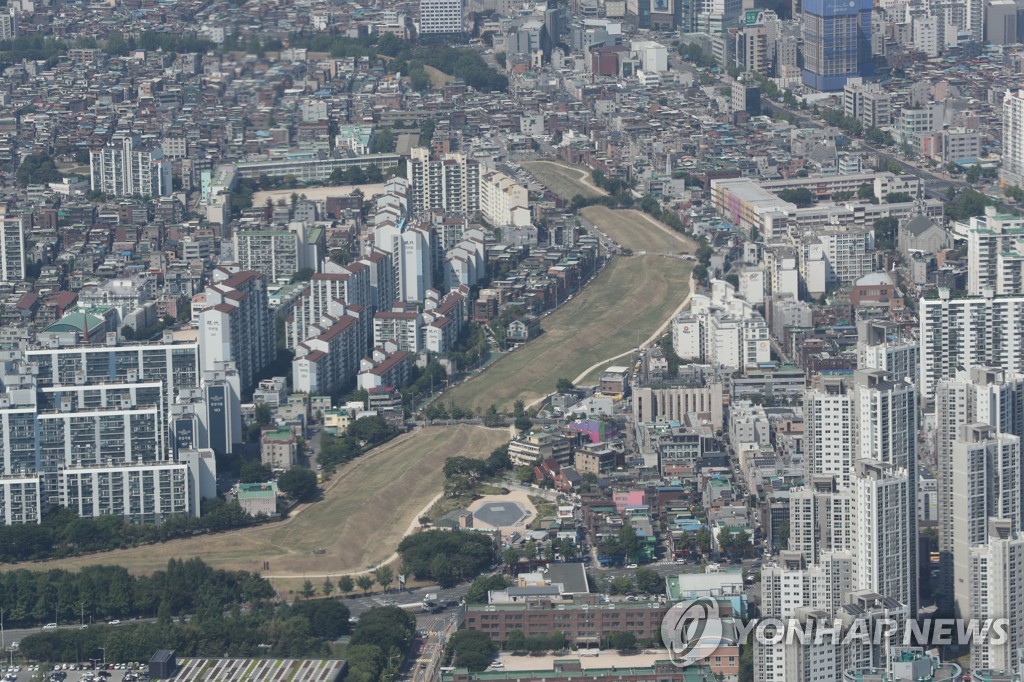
(829, 442)
(12, 249)
(441, 16)
(124, 170)
(237, 325)
(997, 591)
(885, 423)
(984, 395)
(986, 483)
(822, 519)
(450, 182)
(881, 346)
(1012, 171)
(411, 250)
(993, 241)
(969, 332)
(885, 560)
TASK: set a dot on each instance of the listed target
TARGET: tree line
(105, 592)
(63, 533)
(304, 629)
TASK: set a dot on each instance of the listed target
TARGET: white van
(50, 626)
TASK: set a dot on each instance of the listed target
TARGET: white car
(631, 566)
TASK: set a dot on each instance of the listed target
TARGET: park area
(637, 231)
(369, 505)
(623, 305)
(564, 180)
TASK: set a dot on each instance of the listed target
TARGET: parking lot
(71, 673)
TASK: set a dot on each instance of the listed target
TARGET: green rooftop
(257, 491)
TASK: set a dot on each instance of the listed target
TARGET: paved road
(359, 605)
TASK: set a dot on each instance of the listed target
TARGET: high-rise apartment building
(278, 254)
(121, 169)
(986, 483)
(237, 325)
(829, 443)
(997, 592)
(411, 249)
(822, 518)
(984, 395)
(12, 248)
(837, 42)
(885, 428)
(993, 258)
(442, 16)
(961, 333)
(1012, 171)
(885, 559)
(174, 364)
(881, 345)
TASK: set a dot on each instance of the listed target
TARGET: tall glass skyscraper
(837, 42)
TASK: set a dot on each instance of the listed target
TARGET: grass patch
(366, 509)
(624, 304)
(636, 230)
(564, 180)
(438, 78)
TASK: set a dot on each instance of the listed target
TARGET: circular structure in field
(500, 514)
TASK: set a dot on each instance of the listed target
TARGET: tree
(307, 589)
(704, 540)
(303, 275)
(649, 582)
(563, 385)
(623, 641)
(523, 423)
(37, 169)
(384, 576)
(477, 593)
(255, 472)
(866, 192)
(263, 415)
(973, 174)
(328, 587)
(802, 197)
(471, 649)
(898, 198)
(345, 584)
(384, 140)
(492, 418)
(365, 582)
(886, 230)
(299, 483)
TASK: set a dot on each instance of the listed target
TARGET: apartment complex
(236, 324)
(722, 329)
(976, 331)
(125, 169)
(278, 254)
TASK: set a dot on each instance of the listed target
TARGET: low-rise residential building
(258, 498)
(279, 448)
